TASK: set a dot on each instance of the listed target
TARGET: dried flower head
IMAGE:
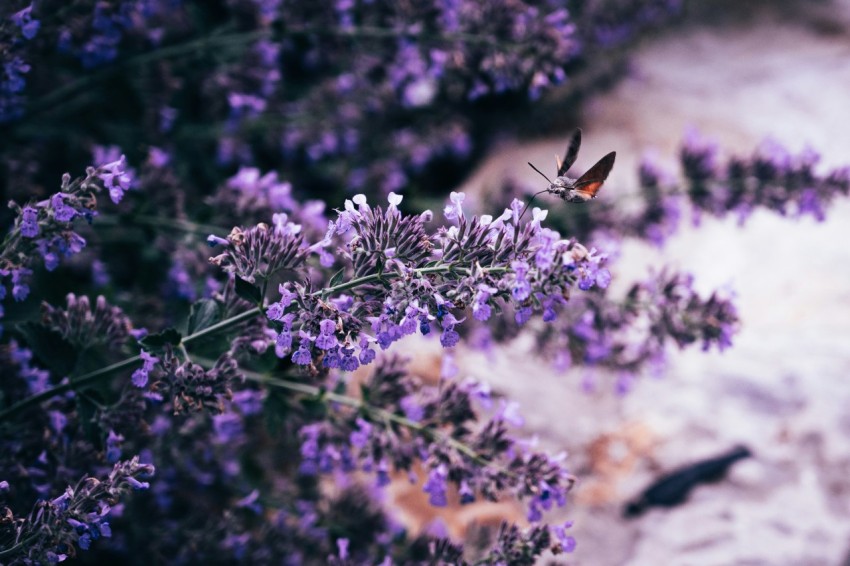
(261, 251)
(83, 327)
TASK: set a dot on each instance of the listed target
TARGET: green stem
(223, 325)
(92, 377)
(158, 221)
(10, 551)
(66, 91)
(81, 381)
(377, 412)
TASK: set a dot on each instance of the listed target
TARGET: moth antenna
(539, 171)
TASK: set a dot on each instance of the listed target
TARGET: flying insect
(585, 187)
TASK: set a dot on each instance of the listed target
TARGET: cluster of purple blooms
(23, 28)
(773, 178)
(45, 230)
(481, 261)
(385, 93)
(233, 376)
(88, 32)
(58, 527)
(394, 275)
(391, 274)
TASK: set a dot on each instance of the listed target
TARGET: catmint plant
(254, 348)
(206, 336)
(387, 95)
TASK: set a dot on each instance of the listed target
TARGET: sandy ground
(784, 388)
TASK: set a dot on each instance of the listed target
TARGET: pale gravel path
(784, 388)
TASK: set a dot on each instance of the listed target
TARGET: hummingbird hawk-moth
(585, 187)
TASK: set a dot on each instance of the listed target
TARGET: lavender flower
(83, 328)
(435, 487)
(772, 178)
(260, 252)
(141, 376)
(44, 229)
(29, 222)
(56, 528)
(326, 339)
(192, 388)
(37, 379)
(302, 356)
(244, 396)
(115, 178)
(392, 247)
(24, 20)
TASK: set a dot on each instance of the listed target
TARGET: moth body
(585, 187)
(564, 188)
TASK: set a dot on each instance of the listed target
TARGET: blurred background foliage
(339, 97)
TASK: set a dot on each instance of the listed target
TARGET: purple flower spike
(342, 546)
(302, 356)
(326, 338)
(61, 211)
(435, 486)
(213, 241)
(454, 211)
(29, 222)
(360, 438)
(116, 178)
(24, 20)
(568, 543)
(140, 376)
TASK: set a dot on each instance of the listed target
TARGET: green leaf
(337, 278)
(266, 362)
(50, 348)
(248, 291)
(157, 341)
(276, 411)
(204, 314)
(315, 405)
(87, 411)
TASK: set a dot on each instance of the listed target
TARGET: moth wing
(572, 153)
(589, 183)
